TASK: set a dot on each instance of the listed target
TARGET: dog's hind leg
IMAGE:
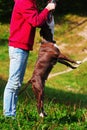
(38, 87)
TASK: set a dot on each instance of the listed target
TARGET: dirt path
(65, 71)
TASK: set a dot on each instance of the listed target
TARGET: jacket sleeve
(30, 13)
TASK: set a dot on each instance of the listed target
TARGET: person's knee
(13, 85)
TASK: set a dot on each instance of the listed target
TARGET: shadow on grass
(59, 97)
(53, 95)
(2, 86)
(3, 42)
(66, 97)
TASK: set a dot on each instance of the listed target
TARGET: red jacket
(25, 18)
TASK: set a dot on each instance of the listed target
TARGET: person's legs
(18, 61)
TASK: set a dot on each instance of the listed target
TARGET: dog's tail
(29, 82)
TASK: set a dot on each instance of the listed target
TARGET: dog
(49, 54)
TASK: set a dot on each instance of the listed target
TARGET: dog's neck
(47, 32)
(45, 41)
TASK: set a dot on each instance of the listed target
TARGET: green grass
(65, 95)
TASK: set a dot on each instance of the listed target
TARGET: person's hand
(51, 6)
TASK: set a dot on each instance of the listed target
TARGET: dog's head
(47, 30)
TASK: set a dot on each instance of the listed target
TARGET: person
(24, 20)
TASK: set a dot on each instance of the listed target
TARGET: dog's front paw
(78, 62)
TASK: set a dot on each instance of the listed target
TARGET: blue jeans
(18, 61)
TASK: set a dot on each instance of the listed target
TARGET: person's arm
(30, 13)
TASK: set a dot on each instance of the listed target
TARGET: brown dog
(48, 56)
